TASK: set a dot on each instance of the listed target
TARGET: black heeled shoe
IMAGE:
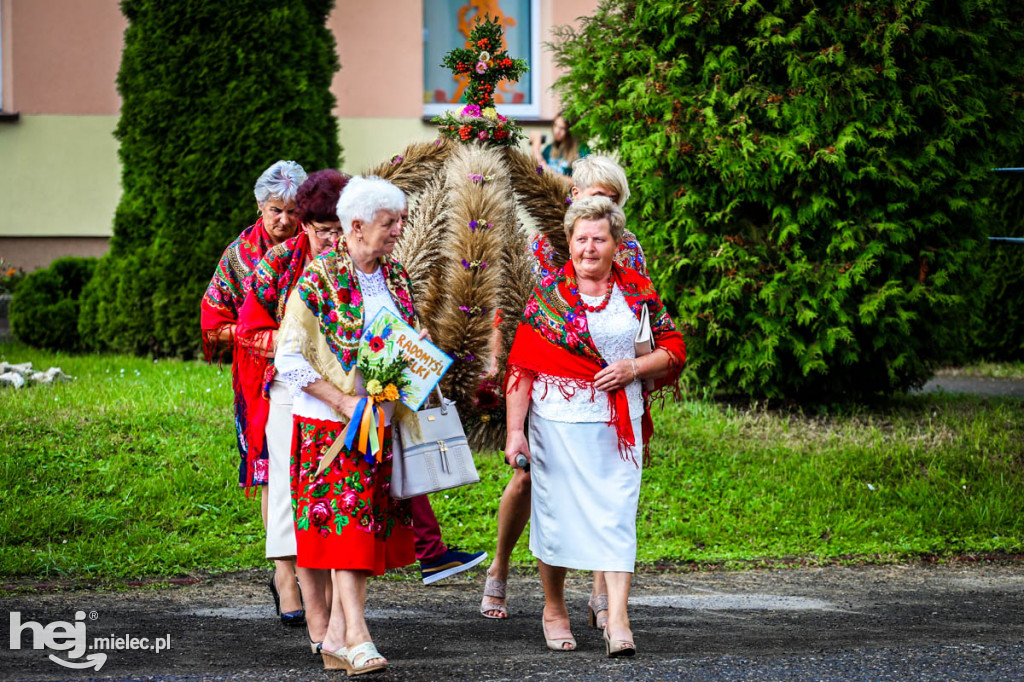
(289, 618)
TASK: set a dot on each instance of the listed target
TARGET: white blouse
(613, 330)
(297, 373)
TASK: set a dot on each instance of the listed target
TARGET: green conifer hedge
(45, 307)
(807, 176)
(997, 332)
(212, 94)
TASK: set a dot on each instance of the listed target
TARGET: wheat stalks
(478, 192)
(417, 165)
(543, 197)
(423, 247)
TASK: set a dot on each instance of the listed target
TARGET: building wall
(59, 171)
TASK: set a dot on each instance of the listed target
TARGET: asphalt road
(962, 621)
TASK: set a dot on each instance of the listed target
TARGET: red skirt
(346, 519)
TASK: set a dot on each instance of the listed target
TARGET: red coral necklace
(604, 301)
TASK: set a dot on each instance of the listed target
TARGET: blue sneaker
(448, 564)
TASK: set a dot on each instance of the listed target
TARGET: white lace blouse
(613, 330)
(296, 372)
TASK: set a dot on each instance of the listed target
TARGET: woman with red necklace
(573, 368)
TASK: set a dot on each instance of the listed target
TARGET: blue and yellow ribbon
(365, 433)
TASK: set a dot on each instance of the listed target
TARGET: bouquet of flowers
(384, 380)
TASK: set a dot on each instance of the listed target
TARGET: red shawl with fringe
(220, 307)
(553, 344)
(227, 289)
(260, 315)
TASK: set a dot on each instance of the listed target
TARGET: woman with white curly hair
(348, 527)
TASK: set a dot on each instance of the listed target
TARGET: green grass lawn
(131, 471)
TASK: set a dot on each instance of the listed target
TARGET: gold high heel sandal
(618, 648)
(598, 603)
(557, 644)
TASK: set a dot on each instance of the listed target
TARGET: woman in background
(559, 155)
(278, 222)
(269, 399)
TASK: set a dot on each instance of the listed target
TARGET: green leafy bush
(998, 328)
(808, 177)
(44, 310)
(212, 94)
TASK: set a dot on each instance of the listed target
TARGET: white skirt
(280, 520)
(584, 495)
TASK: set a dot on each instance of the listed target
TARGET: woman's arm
(342, 403)
(621, 373)
(517, 404)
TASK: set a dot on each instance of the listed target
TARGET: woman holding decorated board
(345, 518)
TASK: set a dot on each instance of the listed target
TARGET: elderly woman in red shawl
(275, 192)
(269, 424)
(573, 368)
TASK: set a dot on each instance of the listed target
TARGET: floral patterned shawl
(220, 307)
(553, 343)
(261, 314)
(323, 319)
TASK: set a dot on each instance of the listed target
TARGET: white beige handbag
(643, 342)
(439, 460)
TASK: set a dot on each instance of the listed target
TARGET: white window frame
(519, 111)
(1, 56)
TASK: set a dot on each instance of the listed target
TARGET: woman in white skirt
(573, 369)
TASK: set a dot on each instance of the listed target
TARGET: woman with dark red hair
(270, 403)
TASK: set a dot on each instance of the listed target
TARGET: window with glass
(446, 25)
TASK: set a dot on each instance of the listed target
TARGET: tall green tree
(808, 175)
(212, 93)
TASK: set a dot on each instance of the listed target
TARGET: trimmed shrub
(808, 177)
(212, 94)
(44, 310)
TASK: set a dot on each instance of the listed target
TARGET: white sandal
(334, 660)
(359, 655)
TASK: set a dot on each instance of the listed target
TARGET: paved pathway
(946, 622)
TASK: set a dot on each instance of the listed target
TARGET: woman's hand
(617, 375)
(516, 443)
(425, 334)
(346, 404)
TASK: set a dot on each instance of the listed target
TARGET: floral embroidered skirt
(346, 519)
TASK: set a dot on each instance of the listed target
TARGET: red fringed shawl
(220, 307)
(229, 285)
(553, 344)
(259, 316)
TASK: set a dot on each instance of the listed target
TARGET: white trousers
(280, 519)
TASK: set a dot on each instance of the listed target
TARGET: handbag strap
(440, 398)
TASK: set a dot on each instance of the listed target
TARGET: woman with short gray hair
(278, 221)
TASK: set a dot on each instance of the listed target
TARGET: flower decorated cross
(486, 62)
